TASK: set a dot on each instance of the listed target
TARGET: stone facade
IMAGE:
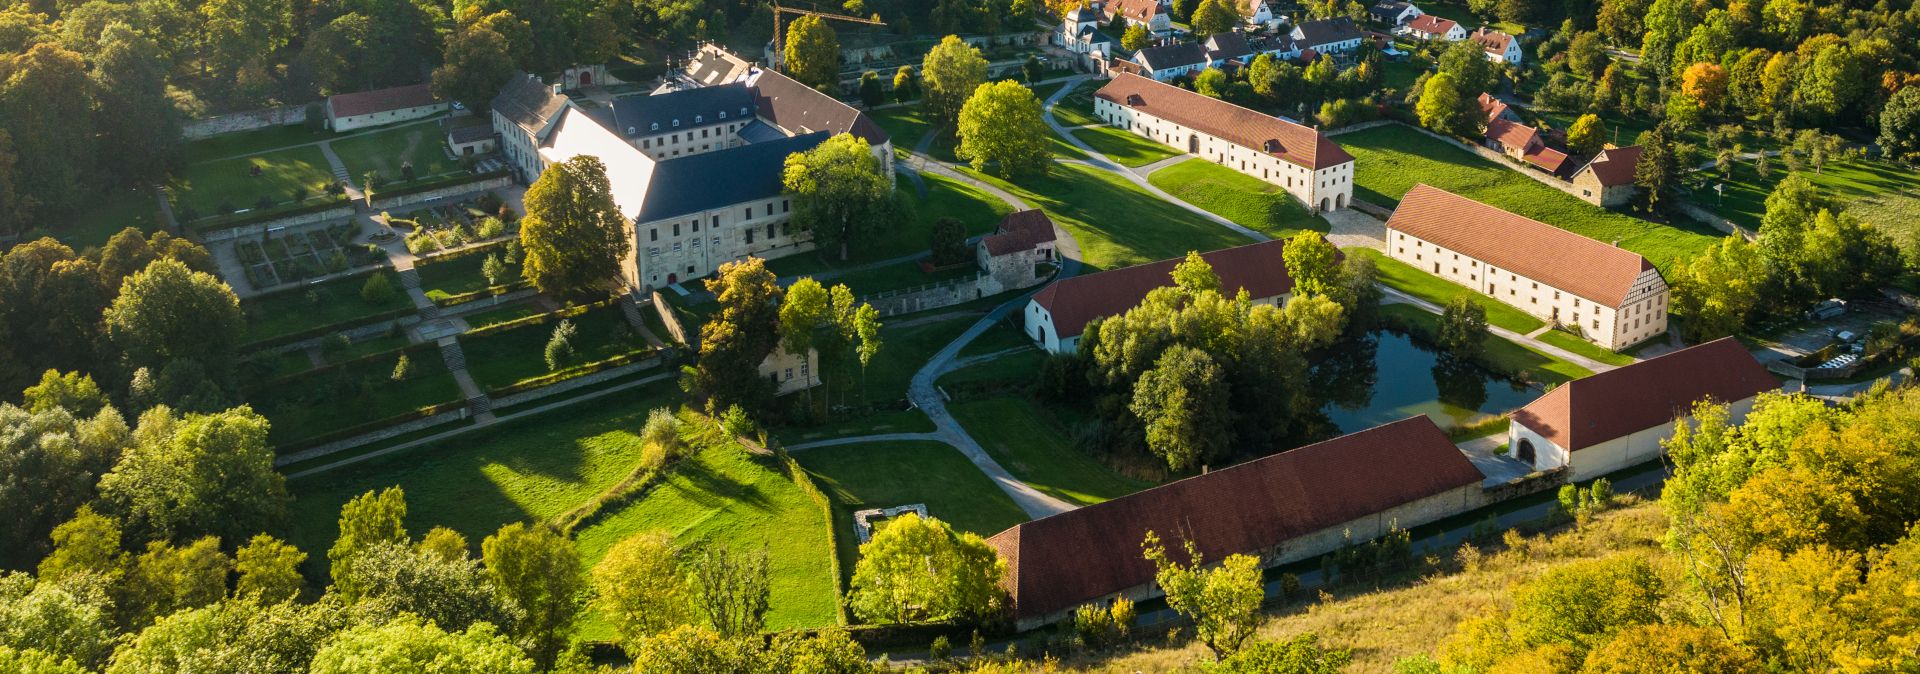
(691, 246)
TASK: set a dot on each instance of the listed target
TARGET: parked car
(1828, 309)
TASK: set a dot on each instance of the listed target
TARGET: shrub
(560, 345)
(494, 269)
(299, 194)
(1104, 627)
(377, 290)
(336, 261)
(490, 227)
(403, 369)
(736, 422)
(662, 431)
(940, 649)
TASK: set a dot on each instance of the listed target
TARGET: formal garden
(513, 355)
(480, 218)
(299, 253)
(351, 397)
(324, 307)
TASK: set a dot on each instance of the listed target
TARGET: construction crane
(780, 36)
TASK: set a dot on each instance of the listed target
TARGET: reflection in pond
(1387, 377)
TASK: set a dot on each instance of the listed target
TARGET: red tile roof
(1138, 10)
(1494, 107)
(1513, 135)
(1058, 562)
(1495, 42)
(1615, 166)
(1547, 158)
(1074, 302)
(1555, 257)
(380, 100)
(1289, 141)
(1020, 231)
(1653, 392)
(1432, 25)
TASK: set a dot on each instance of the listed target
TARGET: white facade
(692, 246)
(345, 124)
(1587, 463)
(1260, 15)
(1326, 189)
(1614, 324)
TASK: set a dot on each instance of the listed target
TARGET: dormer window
(723, 114)
(699, 118)
(654, 126)
(743, 112)
(676, 123)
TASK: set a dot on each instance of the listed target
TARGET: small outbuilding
(346, 112)
(470, 140)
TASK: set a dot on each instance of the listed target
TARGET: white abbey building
(1298, 158)
(1614, 297)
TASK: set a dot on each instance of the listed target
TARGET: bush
(403, 369)
(560, 345)
(490, 227)
(663, 432)
(378, 290)
(1104, 627)
(736, 422)
(940, 649)
(336, 261)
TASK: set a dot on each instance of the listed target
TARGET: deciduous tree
(1463, 328)
(409, 645)
(573, 234)
(730, 587)
(1183, 402)
(1214, 16)
(169, 312)
(1001, 125)
(130, 80)
(365, 521)
(1587, 135)
(840, 192)
(1442, 107)
(917, 569)
(739, 336)
(1899, 126)
(813, 53)
(1719, 289)
(478, 61)
(1313, 264)
(50, 119)
(640, 588)
(269, 570)
(1136, 38)
(950, 73)
(198, 474)
(536, 571)
(1223, 601)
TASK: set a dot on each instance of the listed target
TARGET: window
(676, 123)
(696, 243)
(746, 213)
(676, 246)
(1576, 302)
(1556, 295)
(716, 240)
(769, 209)
(749, 235)
(1596, 324)
(769, 230)
(743, 112)
(689, 270)
(786, 205)
(696, 224)
(676, 229)
(723, 115)
(653, 233)
(653, 251)
(715, 222)
(703, 132)
(698, 119)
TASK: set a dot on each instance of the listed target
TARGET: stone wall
(576, 382)
(1713, 219)
(342, 212)
(286, 115)
(934, 296)
(495, 182)
(674, 329)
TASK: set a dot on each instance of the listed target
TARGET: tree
(536, 571)
(1194, 276)
(1212, 82)
(377, 290)
(641, 589)
(812, 52)
(1900, 125)
(1587, 56)
(1587, 135)
(730, 588)
(87, 544)
(573, 234)
(948, 242)
(1463, 328)
(1223, 602)
(130, 79)
(49, 462)
(198, 474)
(950, 73)
(871, 93)
(694, 650)
(735, 340)
(1302, 654)
(1136, 38)
(166, 579)
(1832, 81)
(1706, 84)
(478, 61)
(1182, 402)
(1654, 648)
(366, 520)
(408, 645)
(236, 636)
(237, 33)
(1001, 124)
(494, 269)
(168, 312)
(74, 392)
(1442, 108)
(1033, 69)
(1313, 264)
(559, 349)
(45, 100)
(906, 86)
(1658, 168)
(1466, 61)
(69, 619)
(395, 578)
(840, 191)
(1719, 289)
(269, 570)
(918, 569)
(32, 661)
(1581, 604)
(1213, 17)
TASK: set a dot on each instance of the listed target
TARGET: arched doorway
(1340, 201)
(1193, 143)
(673, 278)
(1525, 451)
(586, 78)
(1323, 204)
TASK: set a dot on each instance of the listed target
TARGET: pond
(1387, 376)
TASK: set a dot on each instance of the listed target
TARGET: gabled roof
(1082, 14)
(1058, 562)
(1388, 10)
(1170, 56)
(528, 102)
(629, 171)
(1248, 8)
(381, 100)
(1494, 107)
(1289, 141)
(1494, 41)
(1614, 167)
(1511, 134)
(469, 133)
(1432, 25)
(1545, 157)
(1327, 31)
(1023, 230)
(798, 108)
(708, 180)
(642, 115)
(1074, 302)
(1137, 10)
(1598, 272)
(1228, 45)
(713, 65)
(1653, 392)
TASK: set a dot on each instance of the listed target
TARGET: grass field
(251, 142)
(205, 187)
(1116, 223)
(945, 198)
(109, 213)
(422, 145)
(1126, 148)
(1076, 108)
(899, 421)
(1391, 159)
(325, 401)
(1568, 341)
(335, 301)
(458, 276)
(502, 314)
(887, 474)
(1501, 355)
(904, 349)
(501, 359)
(1874, 191)
(1405, 278)
(1038, 452)
(1248, 201)
(905, 125)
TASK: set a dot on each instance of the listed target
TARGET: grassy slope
(887, 474)
(205, 186)
(422, 145)
(1117, 224)
(109, 213)
(289, 311)
(251, 142)
(1566, 340)
(1244, 199)
(1501, 353)
(1126, 148)
(1391, 159)
(1875, 191)
(1039, 453)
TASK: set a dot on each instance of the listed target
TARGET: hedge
(537, 319)
(214, 223)
(580, 370)
(324, 330)
(370, 426)
(450, 255)
(484, 293)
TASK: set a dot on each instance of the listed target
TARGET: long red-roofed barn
(1057, 315)
(1618, 418)
(1610, 295)
(1299, 158)
(1282, 508)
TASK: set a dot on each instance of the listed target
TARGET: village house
(1225, 51)
(1394, 12)
(1147, 13)
(1430, 27)
(1525, 144)
(359, 110)
(1059, 313)
(1080, 34)
(1281, 508)
(1501, 48)
(1020, 247)
(1310, 166)
(1617, 419)
(1328, 36)
(467, 140)
(1258, 13)
(789, 372)
(1608, 295)
(1607, 181)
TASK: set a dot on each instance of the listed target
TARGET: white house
(1394, 12)
(1501, 47)
(1059, 313)
(1430, 27)
(1080, 34)
(346, 112)
(1300, 159)
(1328, 36)
(524, 115)
(1617, 419)
(1180, 59)
(1147, 13)
(1258, 14)
(1609, 295)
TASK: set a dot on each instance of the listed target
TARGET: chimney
(556, 88)
(1616, 243)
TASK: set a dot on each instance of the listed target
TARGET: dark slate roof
(527, 101)
(1229, 45)
(1173, 55)
(757, 131)
(798, 108)
(1387, 11)
(720, 178)
(636, 116)
(1328, 31)
(470, 133)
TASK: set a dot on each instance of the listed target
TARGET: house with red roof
(1432, 27)
(1015, 253)
(1609, 295)
(1299, 158)
(1524, 144)
(1500, 47)
(1617, 419)
(361, 109)
(1147, 13)
(1281, 508)
(1607, 180)
(1060, 312)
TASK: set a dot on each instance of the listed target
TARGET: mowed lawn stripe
(1247, 201)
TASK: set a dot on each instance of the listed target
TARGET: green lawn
(895, 276)
(337, 398)
(422, 145)
(1076, 109)
(109, 213)
(1035, 449)
(1874, 191)
(458, 276)
(899, 421)
(905, 125)
(1501, 355)
(1391, 159)
(887, 474)
(904, 349)
(335, 301)
(1400, 75)
(1405, 278)
(1568, 341)
(1116, 223)
(502, 314)
(251, 142)
(501, 359)
(1126, 148)
(205, 187)
(945, 198)
(1244, 199)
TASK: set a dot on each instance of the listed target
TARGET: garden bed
(334, 304)
(502, 359)
(344, 396)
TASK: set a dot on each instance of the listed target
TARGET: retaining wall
(496, 182)
(934, 296)
(376, 436)
(342, 212)
(576, 382)
(286, 115)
